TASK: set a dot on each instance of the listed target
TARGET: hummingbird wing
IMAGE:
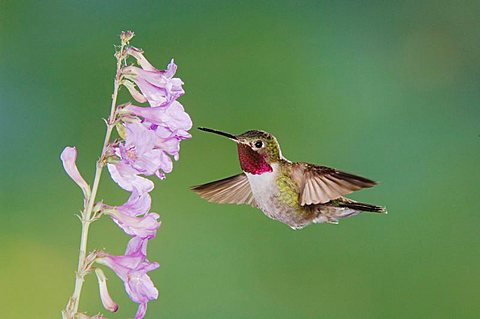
(231, 190)
(321, 184)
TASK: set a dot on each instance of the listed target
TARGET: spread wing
(321, 184)
(231, 190)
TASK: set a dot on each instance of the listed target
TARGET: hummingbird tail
(363, 207)
(343, 208)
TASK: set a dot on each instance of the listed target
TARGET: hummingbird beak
(228, 135)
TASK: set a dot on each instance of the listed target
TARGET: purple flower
(133, 216)
(137, 245)
(138, 155)
(170, 126)
(137, 204)
(143, 227)
(132, 268)
(174, 118)
(68, 157)
(139, 149)
(148, 146)
(169, 144)
(159, 87)
(127, 178)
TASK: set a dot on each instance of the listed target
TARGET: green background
(385, 89)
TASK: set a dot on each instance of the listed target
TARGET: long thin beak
(230, 136)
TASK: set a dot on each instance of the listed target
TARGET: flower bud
(126, 36)
(107, 301)
(134, 92)
(121, 130)
(68, 157)
(141, 59)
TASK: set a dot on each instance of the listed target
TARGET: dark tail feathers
(364, 207)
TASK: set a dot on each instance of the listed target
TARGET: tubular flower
(174, 118)
(137, 155)
(143, 227)
(159, 87)
(149, 145)
(133, 216)
(132, 269)
(139, 149)
(153, 134)
(127, 178)
(137, 204)
(170, 126)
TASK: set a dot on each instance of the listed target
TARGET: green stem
(72, 307)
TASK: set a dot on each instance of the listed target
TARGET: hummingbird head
(257, 150)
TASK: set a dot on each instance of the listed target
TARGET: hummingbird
(294, 193)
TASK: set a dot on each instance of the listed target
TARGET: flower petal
(166, 163)
(172, 117)
(143, 227)
(158, 87)
(140, 151)
(140, 287)
(127, 178)
(137, 247)
(137, 204)
(176, 117)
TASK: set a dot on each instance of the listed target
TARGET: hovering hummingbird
(294, 193)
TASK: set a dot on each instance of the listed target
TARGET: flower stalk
(148, 141)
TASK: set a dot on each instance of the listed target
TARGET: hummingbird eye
(258, 144)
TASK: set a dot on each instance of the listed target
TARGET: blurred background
(388, 90)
